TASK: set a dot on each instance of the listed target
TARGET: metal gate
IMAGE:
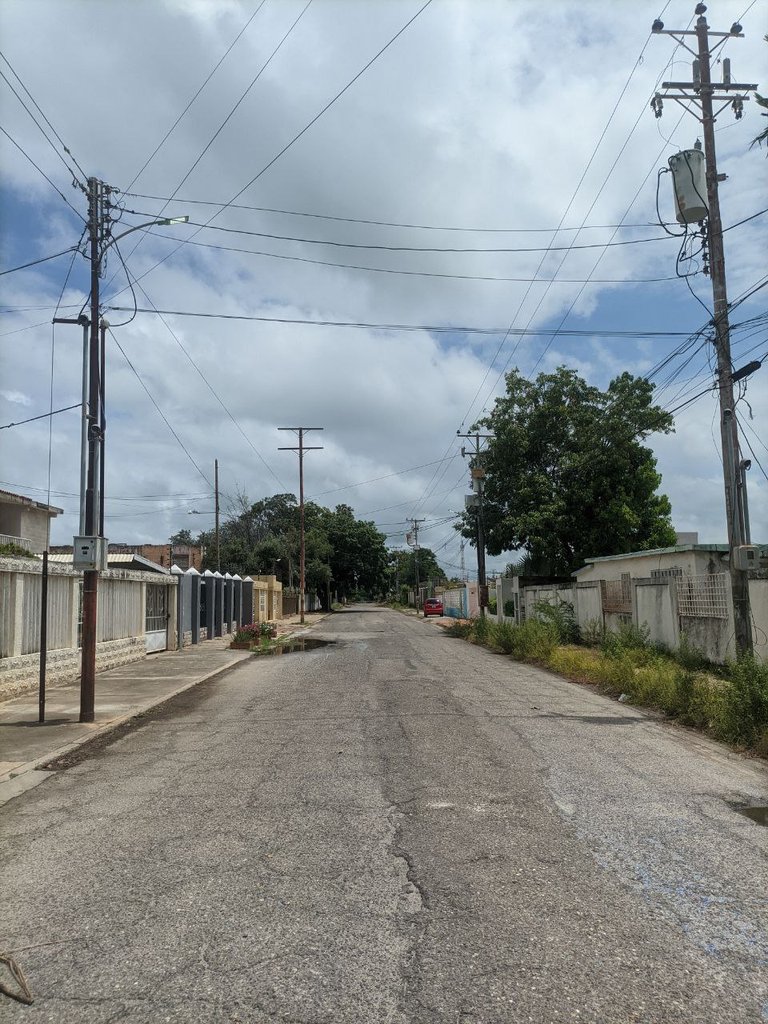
(156, 624)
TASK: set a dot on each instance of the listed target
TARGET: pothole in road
(294, 645)
(756, 814)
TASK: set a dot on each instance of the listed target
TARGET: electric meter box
(746, 556)
(690, 181)
(90, 554)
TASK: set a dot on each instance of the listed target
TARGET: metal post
(43, 637)
(302, 552)
(102, 419)
(216, 512)
(91, 577)
(84, 426)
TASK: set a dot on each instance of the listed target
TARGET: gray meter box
(90, 553)
(746, 556)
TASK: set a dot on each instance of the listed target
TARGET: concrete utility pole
(478, 484)
(697, 98)
(90, 546)
(92, 475)
(301, 449)
(415, 545)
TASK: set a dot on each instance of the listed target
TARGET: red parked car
(433, 606)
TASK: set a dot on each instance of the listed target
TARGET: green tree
(359, 561)
(762, 101)
(404, 563)
(567, 476)
(182, 537)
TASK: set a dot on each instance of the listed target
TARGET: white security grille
(703, 597)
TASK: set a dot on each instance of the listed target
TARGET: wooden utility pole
(697, 97)
(478, 482)
(301, 449)
(415, 545)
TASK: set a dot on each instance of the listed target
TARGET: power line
(160, 411)
(379, 223)
(432, 328)
(408, 273)
(211, 388)
(175, 124)
(42, 130)
(43, 259)
(42, 416)
(421, 248)
(39, 169)
(304, 130)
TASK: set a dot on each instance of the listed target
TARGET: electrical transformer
(690, 181)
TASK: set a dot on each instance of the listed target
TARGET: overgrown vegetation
(730, 703)
(11, 550)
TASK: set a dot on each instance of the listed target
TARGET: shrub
(247, 634)
(745, 705)
(11, 550)
(562, 617)
(627, 638)
(592, 633)
(534, 640)
(502, 637)
(481, 631)
(462, 630)
(689, 656)
(509, 609)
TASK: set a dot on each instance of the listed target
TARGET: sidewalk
(121, 694)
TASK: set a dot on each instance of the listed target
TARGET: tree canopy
(404, 564)
(263, 538)
(567, 476)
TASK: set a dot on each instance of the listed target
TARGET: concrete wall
(655, 605)
(120, 621)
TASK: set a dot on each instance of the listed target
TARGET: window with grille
(674, 572)
(704, 596)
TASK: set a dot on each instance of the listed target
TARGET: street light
(92, 542)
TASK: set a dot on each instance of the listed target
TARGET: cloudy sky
(455, 167)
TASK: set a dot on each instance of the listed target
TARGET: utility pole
(697, 97)
(301, 449)
(216, 512)
(415, 545)
(92, 475)
(478, 485)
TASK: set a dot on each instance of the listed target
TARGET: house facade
(26, 522)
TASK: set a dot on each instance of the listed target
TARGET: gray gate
(156, 625)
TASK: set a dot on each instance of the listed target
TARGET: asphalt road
(397, 828)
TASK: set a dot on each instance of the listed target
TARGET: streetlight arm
(165, 221)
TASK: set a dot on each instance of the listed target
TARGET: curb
(15, 778)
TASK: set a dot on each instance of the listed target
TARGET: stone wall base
(21, 675)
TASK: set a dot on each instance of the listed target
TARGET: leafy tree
(359, 561)
(567, 476)
(182, 537)
(762, 101)
(404, 563)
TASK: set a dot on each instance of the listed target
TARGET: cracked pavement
(398, 828)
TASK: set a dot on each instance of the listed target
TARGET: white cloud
(479, 115)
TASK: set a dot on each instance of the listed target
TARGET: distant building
(26, 522)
